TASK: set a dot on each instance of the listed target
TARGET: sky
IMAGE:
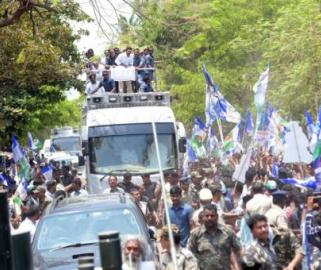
(99, 39)
(107, 14)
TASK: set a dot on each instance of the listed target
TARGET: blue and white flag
(307, 183)
(30, 141)
(16, 150)
(216, 106)
(199, 128)
(211, 140)
(190, 152)
(46, 171)
(316, 166)
(4, 180)
(248, 123)
(275, 170)
(309, 123)
(260, 88)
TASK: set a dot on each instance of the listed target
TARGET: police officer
(213, 243)
(184, 258)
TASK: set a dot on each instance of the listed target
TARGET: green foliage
(40, 61)
(236, 39)
(63, 113)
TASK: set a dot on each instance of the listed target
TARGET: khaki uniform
(184, 258)
(276, 255)
(194, 191)
(277, 218)
(213, 251)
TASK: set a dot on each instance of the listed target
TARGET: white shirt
(90, 87)
(123, 59)
(259, 204)
(79, 193)
(99, 72)
(49, 196)
(27, 226)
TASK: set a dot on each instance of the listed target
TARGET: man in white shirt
(113, 185)
(126, 59)
(94, 87)
(78, 191)
(29, 224)
(51, 190)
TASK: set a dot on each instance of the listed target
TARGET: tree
(41, 61)
(236, 40)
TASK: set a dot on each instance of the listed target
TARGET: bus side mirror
(81, 160)
(182, 145)
(84, 147)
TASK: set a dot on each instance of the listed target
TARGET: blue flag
(309, 123)
(4, 180)
(316, 166)
(216, 106)
(16, 150)
(308, 183)
(267, 115)
(46, 171)
(190, 153)
(275, 170)
(199, 129)
(248, 123)
(240, 132)
(318, 124)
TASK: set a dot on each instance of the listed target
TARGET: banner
(121, 73)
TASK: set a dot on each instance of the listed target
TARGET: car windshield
(62, 230)
(134, 153)
(66, 144)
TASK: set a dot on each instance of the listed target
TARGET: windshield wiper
(76, 245)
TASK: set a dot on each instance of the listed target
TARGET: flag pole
(166, 205)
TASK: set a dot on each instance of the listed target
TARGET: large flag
(216, 106)
(260, 89)
(309, 123)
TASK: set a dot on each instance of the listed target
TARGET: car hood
(66, 258)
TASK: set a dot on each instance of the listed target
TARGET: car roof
(90, 202)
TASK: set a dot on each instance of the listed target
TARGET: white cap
(205, 194)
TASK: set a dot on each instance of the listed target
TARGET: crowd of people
(217, 223)
(99, 71)
(221, 224)
(28, 201)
